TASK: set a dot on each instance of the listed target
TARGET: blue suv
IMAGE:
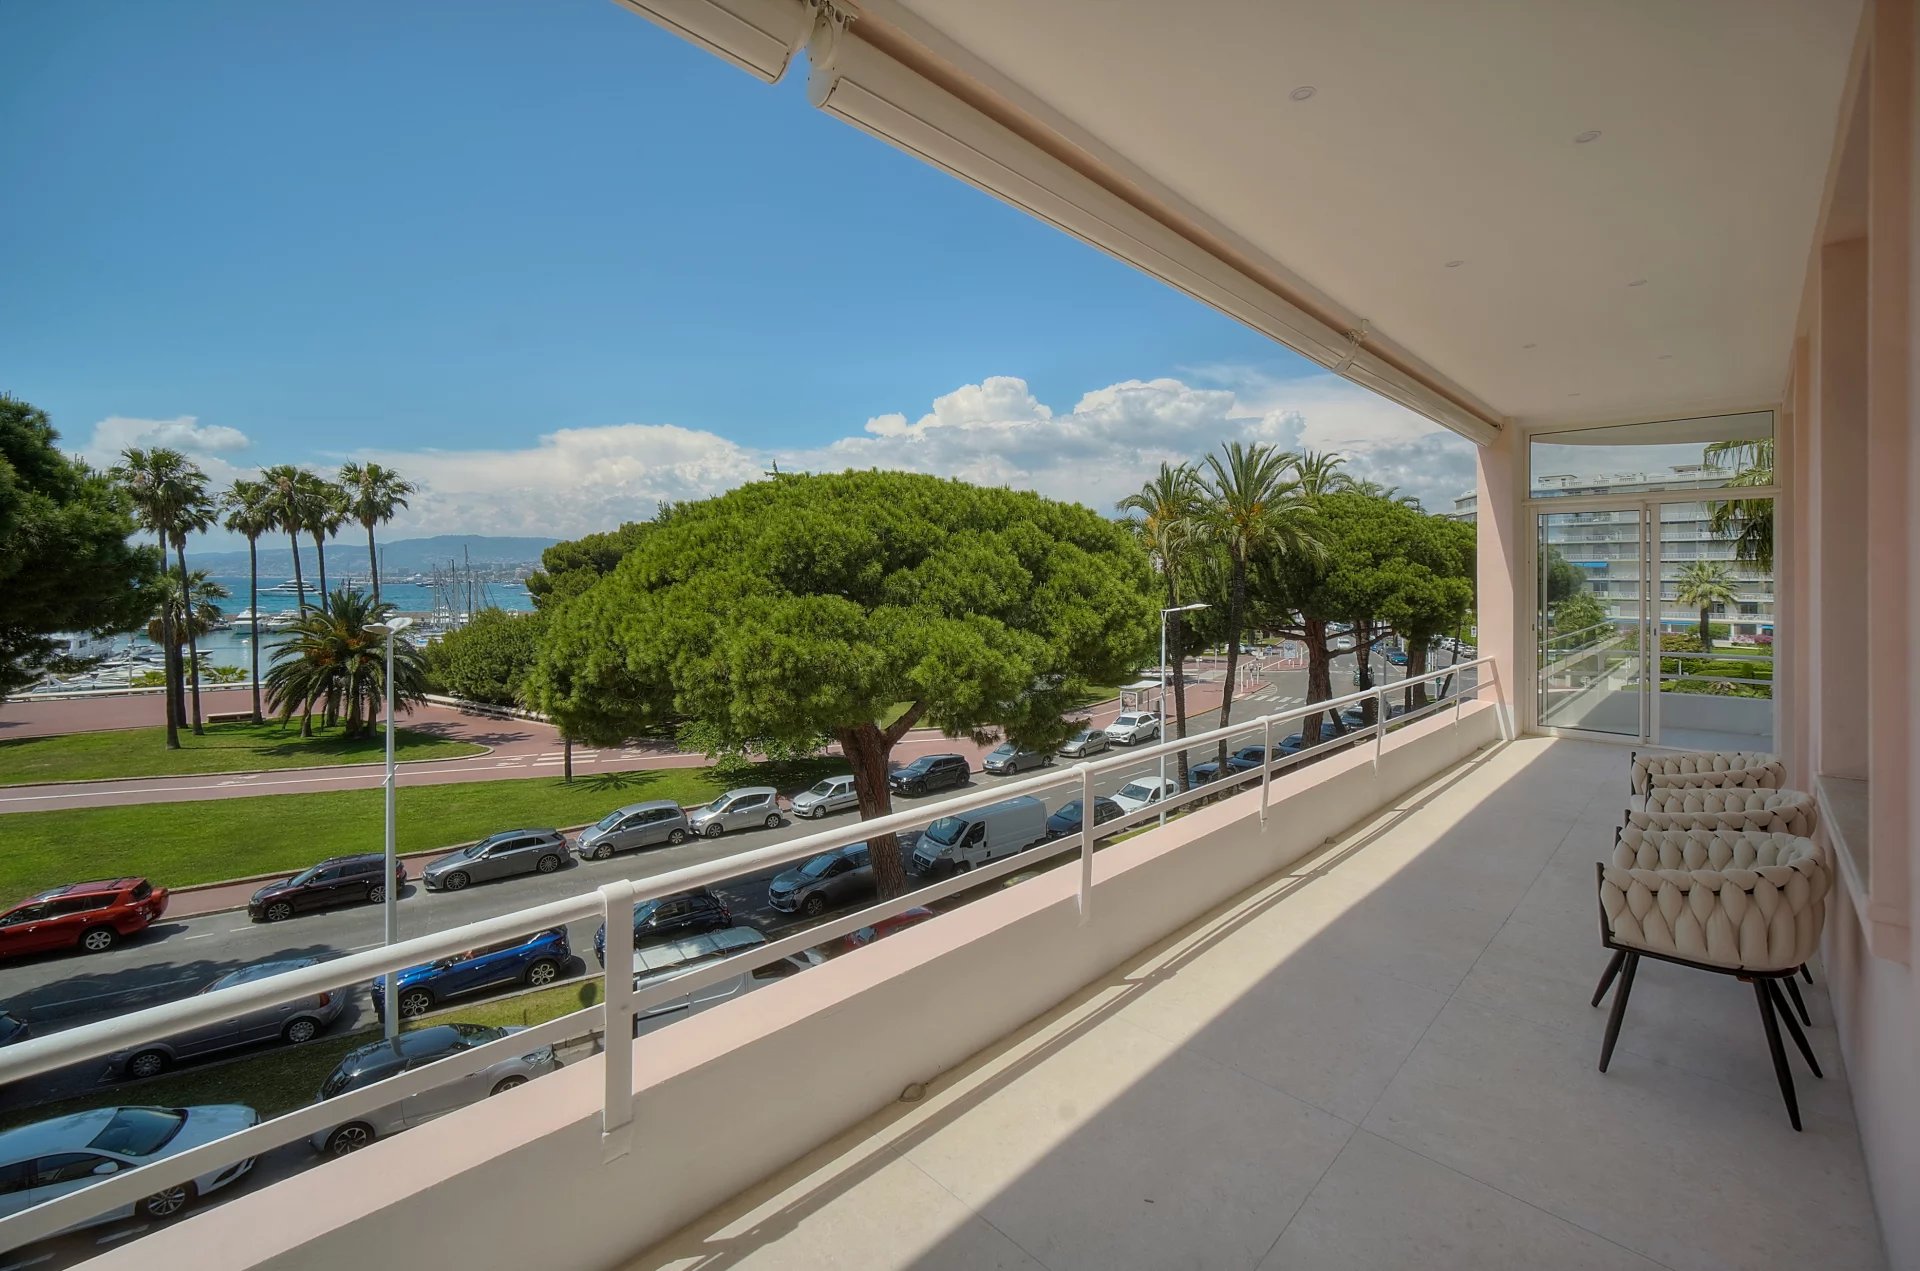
(524, 960)
(1245, 759)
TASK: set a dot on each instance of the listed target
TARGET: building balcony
(1352, 1031)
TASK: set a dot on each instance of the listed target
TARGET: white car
(1145, 792)
(1133, 727)
(835, 794)
(52, 1158)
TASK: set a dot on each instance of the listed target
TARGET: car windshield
(1070, 810)
(947, 830)
(1083, 734)
(304, 876)
(819, 865)
(824, 787)
(718, 803)
(918, 766)
(1138, 790)
(247, 974)
(1004, 751)
(139, 1131)
(608, 821)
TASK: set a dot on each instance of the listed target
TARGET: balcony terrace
(1381, 1056)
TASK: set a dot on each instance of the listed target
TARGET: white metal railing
(613, 903)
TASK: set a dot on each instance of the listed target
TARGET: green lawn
(142, 752)
(278, 1080)
(177, 844)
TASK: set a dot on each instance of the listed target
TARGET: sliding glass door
(1592, 620)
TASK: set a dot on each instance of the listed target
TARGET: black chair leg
(1799, 1003)
(1806, 974)
(1619, 1011)
(1778, 1051)
(1793, 1027)
(1606, 977)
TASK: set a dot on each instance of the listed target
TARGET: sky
(557, 265)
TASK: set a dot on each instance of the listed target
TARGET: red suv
(90, 917)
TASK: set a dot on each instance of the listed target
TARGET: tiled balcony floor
(1383, 1058)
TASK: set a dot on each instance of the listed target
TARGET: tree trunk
(1176, 650)
(1236, 606)
(373, 570)
(1319, 675)
(866, 749)
(193, 643)
(1363, 667)
(169, 668)
(320, 551)
(253, 607)
(566, 743)
(299, 586)
(1416, 665)
(1706, 631)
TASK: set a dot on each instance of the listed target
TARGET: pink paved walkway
(520, 748)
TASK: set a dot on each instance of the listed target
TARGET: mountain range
(397, 556)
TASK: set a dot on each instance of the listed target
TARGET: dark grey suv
(830, 880)
(929, 773)
(502, 856)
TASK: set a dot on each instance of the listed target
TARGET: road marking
(204, 935)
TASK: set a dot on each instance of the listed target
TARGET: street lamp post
(390, 1016)
(1164, 615)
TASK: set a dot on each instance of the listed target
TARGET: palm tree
(334, 663)
(198, 512)
(183, 611)
(324, 511)
(250, 512)
(154, 481)
(1704, 584)
(1748, 522)
(1391, 493)
(1252, 503)
(286, 490)
(1168, 529)
(374, 494)
(1320, 474)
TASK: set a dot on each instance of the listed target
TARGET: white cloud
(995, 432)
(184, 433)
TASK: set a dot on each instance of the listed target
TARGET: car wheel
(548, 864)
(163, 1205)
(676, 838)
(98, 939)
(964, 867)
(815, 905)
(452, 882)
(545, 971)
(377, 894)
(349, 1138)
(773, 820)
(414, 1003)
(507, 1083)
(148, 1063)
(714, 830)
(603, 852)
(279, 911)
(299, 1030)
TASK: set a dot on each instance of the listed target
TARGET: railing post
(1087, 821)
(616, 1115)
(1459, 698)
(1379, 724)
(1266, 765)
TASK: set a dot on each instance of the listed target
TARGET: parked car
(823, 798)
(50, 1159)
(658, 963)
(831, 880)
(1133, 727)
(670, 918)
(13, 1028)
(1009, 758)
(1088, 741)
(650, 824)
(1355, 716)
(1145, 792)
(1247, 759)
(300, 1020)
(524, 960)
(929, 773)
(740, 809)
(1292, 744)
(338, 880)
(502, 856)
(90, 917)
(1202, 773)
(1067, 820)
(967, 839)
(376, 1061)
(1397, 657)
(882, 929)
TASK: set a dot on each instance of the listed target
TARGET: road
(61, 992)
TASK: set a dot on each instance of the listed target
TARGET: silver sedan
(379, 1060)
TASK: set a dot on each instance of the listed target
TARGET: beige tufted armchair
(1702, 769)
(1755, 810)
(1742, 903)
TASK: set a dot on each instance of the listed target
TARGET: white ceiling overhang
(1424, 221)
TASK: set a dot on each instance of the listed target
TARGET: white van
(967, 839)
